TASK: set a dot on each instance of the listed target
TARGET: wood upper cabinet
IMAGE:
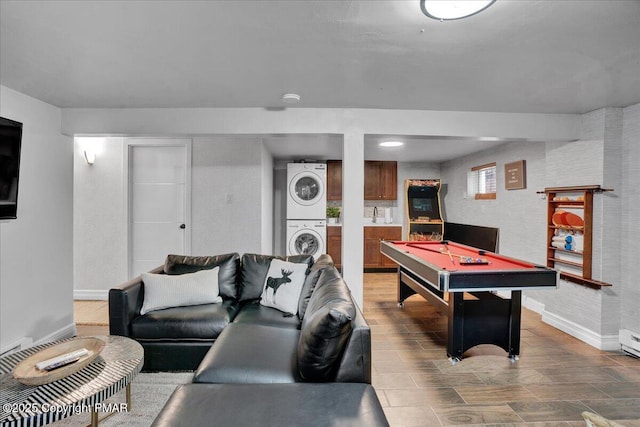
(372, 238)
(334, 179)
(380, 180)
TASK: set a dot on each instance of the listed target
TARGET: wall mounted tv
(10, 143)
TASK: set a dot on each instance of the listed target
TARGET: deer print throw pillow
(283, 285)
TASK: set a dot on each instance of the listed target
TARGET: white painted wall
(266, 202)
(36, 253)
(99, 228)
(211, 121)
(280, 208)
(230, 176)
(351, 215)
(227, 195)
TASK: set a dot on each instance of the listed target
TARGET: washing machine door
(306, 188)
(306, 241)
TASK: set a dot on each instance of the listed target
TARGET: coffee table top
(116, 366)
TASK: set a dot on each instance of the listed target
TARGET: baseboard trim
(26, 342)
(601, 342)
(17, 345)
(88, 294)
(532, 304)
(65, 332)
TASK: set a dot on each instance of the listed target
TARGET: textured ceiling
(525, 56)
(517, 56)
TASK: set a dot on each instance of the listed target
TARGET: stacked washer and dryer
(306, 209)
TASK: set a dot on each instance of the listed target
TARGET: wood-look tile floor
(556, 379)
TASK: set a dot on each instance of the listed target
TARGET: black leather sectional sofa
(241, 348)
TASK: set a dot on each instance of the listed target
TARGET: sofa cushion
(164, 291)
(310, 282)
(257, 314)
(272, 405)
(251, 354)
(325, 328)
(204, 321)
(283, 284)
(254, 272)
(227, 276)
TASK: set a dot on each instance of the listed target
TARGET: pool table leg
(455, 338)
(514, 325)
(468, 319)
(404, 291)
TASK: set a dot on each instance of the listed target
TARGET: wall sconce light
(89, 156)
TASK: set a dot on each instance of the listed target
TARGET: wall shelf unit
(570, 233)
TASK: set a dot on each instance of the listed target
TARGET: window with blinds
(481, 181)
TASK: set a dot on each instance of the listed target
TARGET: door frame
(163, 141)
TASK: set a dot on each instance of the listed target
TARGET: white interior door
(158, 200)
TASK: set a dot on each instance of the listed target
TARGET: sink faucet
(375, 214)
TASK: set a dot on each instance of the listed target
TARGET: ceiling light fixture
(290, 98)
(391, 144)
(449, 10)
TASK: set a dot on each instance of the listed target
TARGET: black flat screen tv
(10, 144)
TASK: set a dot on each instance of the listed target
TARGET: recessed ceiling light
(391, 144)
(291, 98)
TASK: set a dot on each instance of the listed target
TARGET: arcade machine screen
(423, 203)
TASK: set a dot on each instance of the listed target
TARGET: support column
(352, 213)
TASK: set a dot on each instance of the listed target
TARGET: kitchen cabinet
(380, 180)
(372, 238)
(334, 244)
(334, 179)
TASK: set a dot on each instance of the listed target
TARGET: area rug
(149, 392)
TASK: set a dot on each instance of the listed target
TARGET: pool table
(464, 282)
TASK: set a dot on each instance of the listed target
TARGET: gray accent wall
(607, 154)
(630, 228)
(519, 214)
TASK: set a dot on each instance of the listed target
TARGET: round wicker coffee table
(84, 391)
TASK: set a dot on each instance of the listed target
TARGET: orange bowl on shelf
(573, 220)
(559, 219)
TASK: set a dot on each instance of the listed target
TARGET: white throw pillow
(165, 290)
(283, 285)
